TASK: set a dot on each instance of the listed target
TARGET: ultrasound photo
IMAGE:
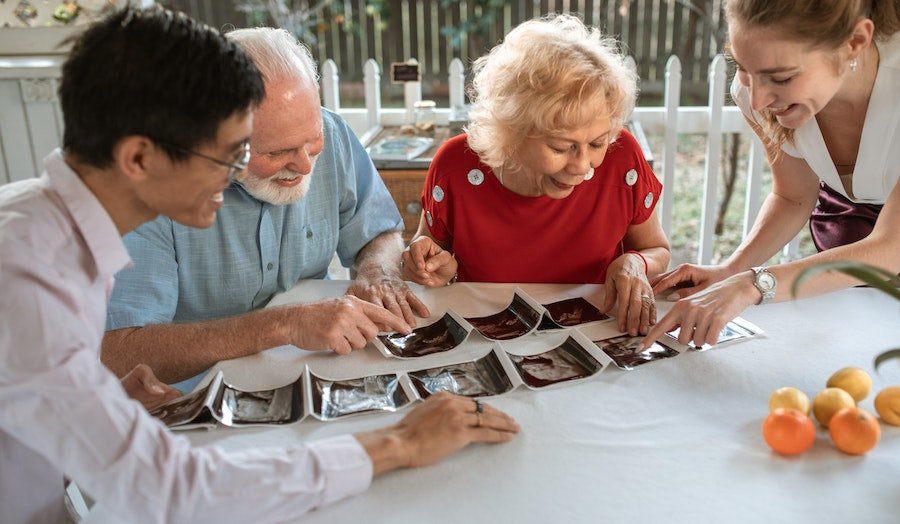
(568, 361)
(623, 350)
(516, 320)
(443, 335)
(480, 378)
(571, 312)
(338, 398)
(731, 331)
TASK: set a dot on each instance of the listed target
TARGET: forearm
(381, 256)
(778, 222)
(877, 250)
(657, 259)
(385, 449)
(176, 352)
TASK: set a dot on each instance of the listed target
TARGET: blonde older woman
(546, 186)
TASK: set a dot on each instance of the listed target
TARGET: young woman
(817, 80)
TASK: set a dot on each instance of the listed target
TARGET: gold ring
(646, 299)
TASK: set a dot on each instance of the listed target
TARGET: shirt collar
(96, 226)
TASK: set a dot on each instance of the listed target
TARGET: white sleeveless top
(878, 161)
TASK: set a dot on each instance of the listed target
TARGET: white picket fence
(31, 125)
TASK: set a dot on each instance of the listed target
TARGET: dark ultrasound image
(183, 409)
(443, 335)
(516, 320)
(568, 361)
(573, 312)
(480, 378)
(624, 350)
(271, 406)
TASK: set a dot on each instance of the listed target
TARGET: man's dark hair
(153, 73)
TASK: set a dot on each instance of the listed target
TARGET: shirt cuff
(344, 465)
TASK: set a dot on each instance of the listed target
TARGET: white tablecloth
(677, 440)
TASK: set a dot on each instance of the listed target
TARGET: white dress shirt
(877, 169)
(63, 413)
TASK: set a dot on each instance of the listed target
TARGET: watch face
(766, 281)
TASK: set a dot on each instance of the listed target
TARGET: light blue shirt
(255, 250)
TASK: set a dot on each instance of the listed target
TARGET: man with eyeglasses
(147, 133)
(196, 297)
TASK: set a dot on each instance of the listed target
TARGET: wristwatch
(765, 282)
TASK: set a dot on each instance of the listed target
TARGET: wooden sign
(401, 72)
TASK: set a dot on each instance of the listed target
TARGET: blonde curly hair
(548, 76)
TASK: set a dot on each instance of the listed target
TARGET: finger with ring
(479, 407)
(647, 299)
(478, 421)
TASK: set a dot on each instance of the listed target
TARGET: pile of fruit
(789, 430)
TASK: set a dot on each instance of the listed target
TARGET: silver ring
(479, 407)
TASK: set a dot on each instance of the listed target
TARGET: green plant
(874, 276)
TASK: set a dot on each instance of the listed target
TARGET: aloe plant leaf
(874, 276)
(885, 356)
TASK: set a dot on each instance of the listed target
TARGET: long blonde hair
(823, 24)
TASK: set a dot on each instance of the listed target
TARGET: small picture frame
(402, 72)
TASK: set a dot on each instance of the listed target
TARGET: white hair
(277, 54)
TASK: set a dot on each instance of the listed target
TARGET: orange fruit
(852, 380)
(789, 398)
(887, 404)
(828, 402)
(854, 430)
(788, 431)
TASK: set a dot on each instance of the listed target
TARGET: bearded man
(195, 297)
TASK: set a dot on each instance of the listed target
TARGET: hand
(702, 316)
(425, 262)
(688, 279)
(440, 426)
(392, 293)
(340, 324)
(142, 385)
(627, 284)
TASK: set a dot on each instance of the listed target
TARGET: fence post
(754, 183)
(456, 81)
(331, 95)
(372, 85)
(791, 251)
(672, 102)
(412, 93)
(713, 159)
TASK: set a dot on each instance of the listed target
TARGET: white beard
(266, 190)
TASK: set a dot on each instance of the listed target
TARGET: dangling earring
(854, 63)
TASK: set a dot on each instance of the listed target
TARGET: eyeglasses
(236, 167)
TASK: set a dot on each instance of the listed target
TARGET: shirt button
(270, 266)
(309, 233)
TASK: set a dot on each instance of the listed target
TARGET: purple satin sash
(836, 221)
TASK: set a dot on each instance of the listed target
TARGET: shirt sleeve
(366, 207)
(59, 401)
(147, 292)
(647, 189)
(437, 194)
